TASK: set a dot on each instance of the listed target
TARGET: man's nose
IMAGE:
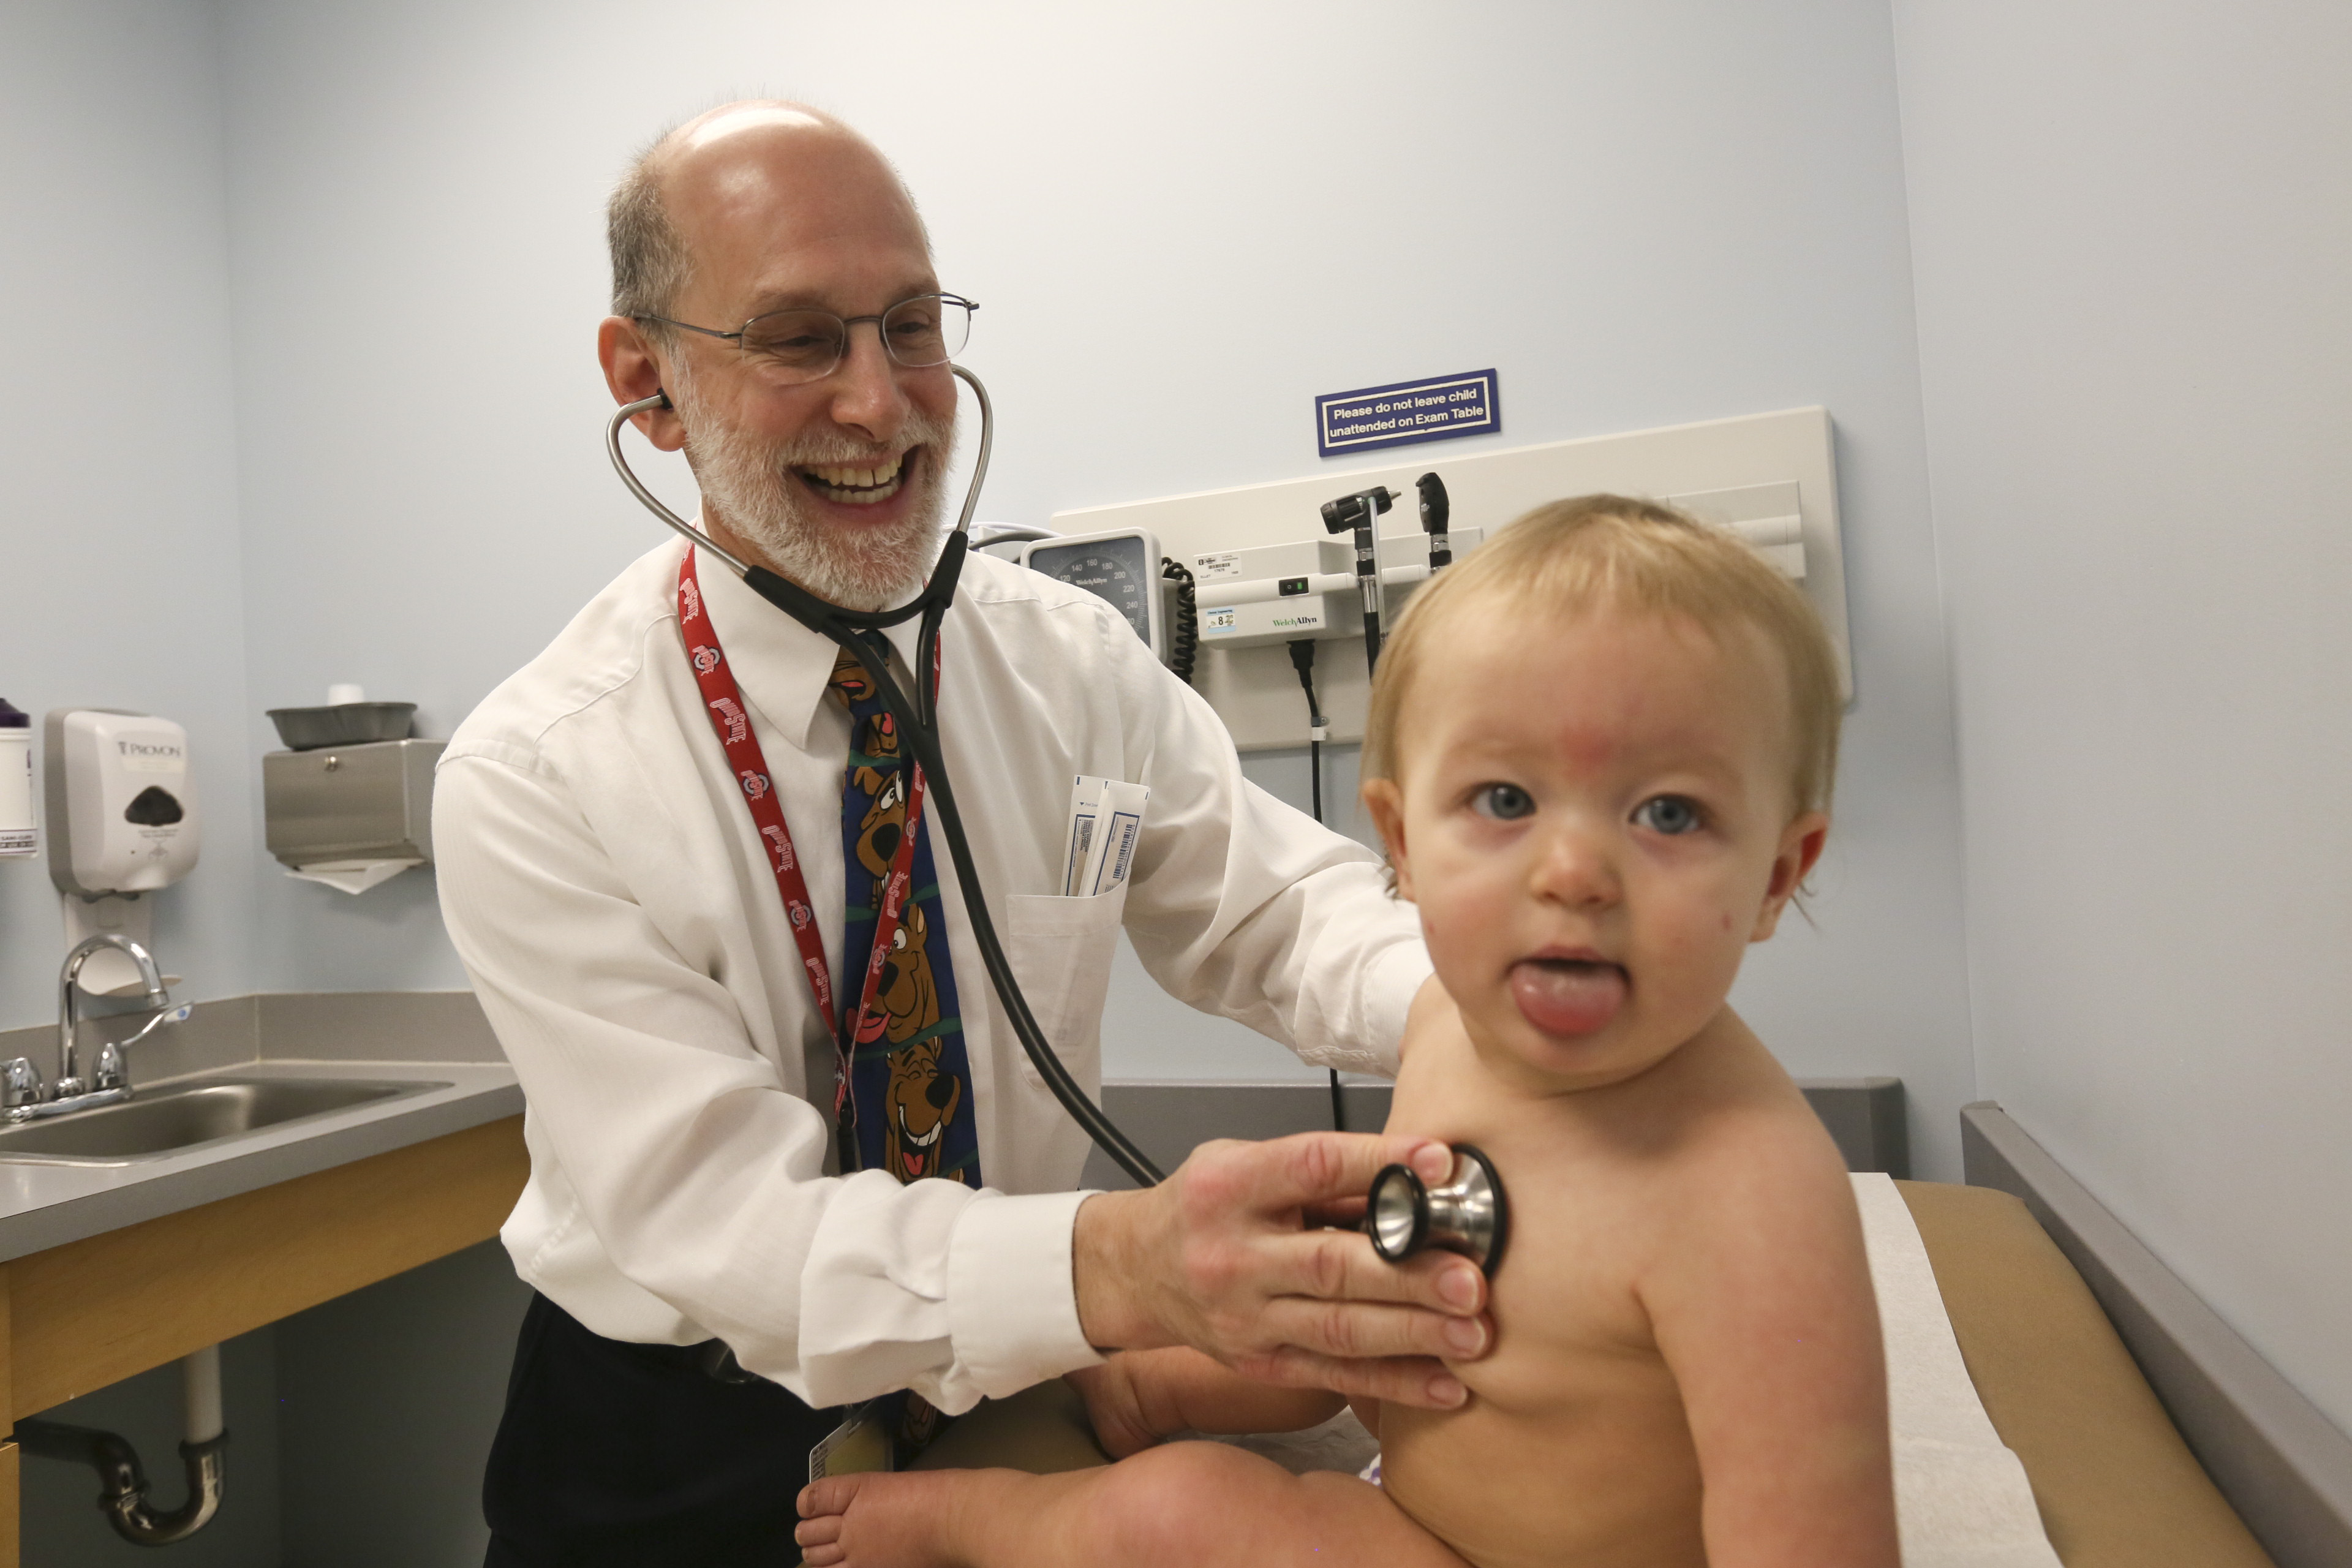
(866, 397)
(1576, 865)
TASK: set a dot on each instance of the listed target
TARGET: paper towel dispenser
(370, 803)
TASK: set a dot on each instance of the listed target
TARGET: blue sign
(1406, 412)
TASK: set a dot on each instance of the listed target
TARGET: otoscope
(1361, 512)
(1434, 509)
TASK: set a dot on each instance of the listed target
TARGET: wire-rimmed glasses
(809, 345)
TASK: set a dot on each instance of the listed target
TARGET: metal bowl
(343, 724)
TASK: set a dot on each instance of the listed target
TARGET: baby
(1599, 751)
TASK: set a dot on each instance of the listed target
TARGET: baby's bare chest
(1565, 1296)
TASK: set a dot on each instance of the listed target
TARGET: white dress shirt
(602, 881)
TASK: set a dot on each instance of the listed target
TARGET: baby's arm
(1138, 1397)
(1763, 1309)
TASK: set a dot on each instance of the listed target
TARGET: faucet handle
(112, 1070)
(20, 1084)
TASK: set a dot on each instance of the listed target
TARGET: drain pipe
(124, 1499)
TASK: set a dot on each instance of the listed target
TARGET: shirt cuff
(1392, 981)
(1013, 1303)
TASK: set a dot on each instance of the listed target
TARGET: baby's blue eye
(1668, 814)
(1504, 802)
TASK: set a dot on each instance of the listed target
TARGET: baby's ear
(1800, 848)
(1386, 802)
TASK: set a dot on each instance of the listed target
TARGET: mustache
(829, 450)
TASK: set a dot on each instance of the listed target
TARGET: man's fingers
(1337, 1265)
(1340, 1214)
(1403, 1380)
(1359, 1331)
(1305, 1168)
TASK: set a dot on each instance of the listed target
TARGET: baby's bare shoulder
(1749, 1168)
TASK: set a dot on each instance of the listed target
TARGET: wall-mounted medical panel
(1771, 478)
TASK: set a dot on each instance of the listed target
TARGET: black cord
(1184, 644)
(1302, 659)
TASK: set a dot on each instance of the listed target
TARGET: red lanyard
(723, 700)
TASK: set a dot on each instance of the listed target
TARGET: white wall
(1641, 213)
(120, 581)
(2132, 224)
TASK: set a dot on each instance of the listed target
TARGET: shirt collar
(781, 667)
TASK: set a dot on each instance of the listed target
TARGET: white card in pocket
(1106, 821)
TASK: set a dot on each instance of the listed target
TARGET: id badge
(884, 1434)
(859, 1444)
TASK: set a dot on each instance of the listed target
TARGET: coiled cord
(1184, 641)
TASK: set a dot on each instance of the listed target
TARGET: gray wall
(1641, 213)
(2132, 221)
(120, 549)
(312, 290)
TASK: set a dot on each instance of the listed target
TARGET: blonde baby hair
(1570, 556)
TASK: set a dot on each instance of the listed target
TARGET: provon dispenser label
(19, 834)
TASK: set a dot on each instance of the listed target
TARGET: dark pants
(620, 1456)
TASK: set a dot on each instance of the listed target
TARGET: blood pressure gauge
(1120, 566)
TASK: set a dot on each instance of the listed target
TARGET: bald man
(659, 839)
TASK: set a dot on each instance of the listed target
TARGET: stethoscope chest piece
(1468, 1214)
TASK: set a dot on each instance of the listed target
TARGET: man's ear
(633, 370)
(1386, 802)
(1800, 848)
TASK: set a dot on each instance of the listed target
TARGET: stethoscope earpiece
(1403, 1215)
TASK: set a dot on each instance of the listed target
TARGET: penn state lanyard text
(723, 700)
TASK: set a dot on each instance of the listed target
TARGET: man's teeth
(875, 482)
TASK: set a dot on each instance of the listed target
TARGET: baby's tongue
(1564, 997)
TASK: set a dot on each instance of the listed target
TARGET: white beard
(747, 485)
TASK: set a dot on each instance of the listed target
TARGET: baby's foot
(879, 1519)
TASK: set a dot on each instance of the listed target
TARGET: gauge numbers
(1122, 569)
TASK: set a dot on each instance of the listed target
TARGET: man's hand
(1218, 1256)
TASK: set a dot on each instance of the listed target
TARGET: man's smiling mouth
(858, 485)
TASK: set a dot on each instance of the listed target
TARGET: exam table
(2151, 1435)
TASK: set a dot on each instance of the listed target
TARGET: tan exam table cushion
(2116, 1485)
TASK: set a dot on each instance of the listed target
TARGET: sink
(179, 1117)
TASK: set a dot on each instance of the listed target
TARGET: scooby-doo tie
(910, 1082)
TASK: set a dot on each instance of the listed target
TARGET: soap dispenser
(122, 821)
(20, 834)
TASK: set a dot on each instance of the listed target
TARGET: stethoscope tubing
(920, 727)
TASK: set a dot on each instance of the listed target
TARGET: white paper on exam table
(1961, 1499)
(1098, 847)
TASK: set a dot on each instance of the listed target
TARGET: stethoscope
(919, 727)
(918, 723)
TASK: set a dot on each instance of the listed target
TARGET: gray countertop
(374, 1035)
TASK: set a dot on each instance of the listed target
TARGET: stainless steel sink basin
(181, 1116)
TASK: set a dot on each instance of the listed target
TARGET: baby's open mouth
(1567, 995)
(856, 486)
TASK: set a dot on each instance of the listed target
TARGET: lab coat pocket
(1060, 951)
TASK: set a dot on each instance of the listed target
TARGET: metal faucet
(22, 1095)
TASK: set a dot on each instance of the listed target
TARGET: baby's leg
(1138, 1398)
(1188, 1505)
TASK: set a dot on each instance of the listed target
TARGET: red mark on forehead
(1587, 747)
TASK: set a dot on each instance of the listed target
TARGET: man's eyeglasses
(809, 345)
